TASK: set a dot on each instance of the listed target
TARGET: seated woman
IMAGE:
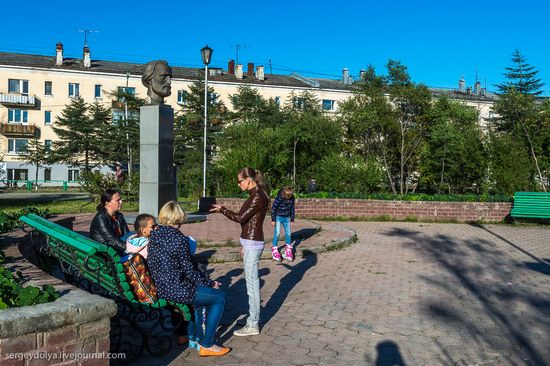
(177, 277)
(109, 226)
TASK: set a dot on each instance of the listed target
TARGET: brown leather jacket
(251, 215)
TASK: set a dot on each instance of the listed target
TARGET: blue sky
(437, 40)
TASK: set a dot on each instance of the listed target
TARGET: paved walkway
(404, 294)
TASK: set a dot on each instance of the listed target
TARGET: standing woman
(109, 225)
(251, 217)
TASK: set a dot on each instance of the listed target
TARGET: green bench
(96, 267)
(531, 205)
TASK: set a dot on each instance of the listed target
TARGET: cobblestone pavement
(404, 294)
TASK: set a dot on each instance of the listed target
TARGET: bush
(10, 220)
(13, 294)
(95, 183)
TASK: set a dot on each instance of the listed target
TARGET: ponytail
(256, 176)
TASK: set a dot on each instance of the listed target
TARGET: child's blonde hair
(171, 214)
(287, 192)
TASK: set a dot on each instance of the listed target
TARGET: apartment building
(34, 89)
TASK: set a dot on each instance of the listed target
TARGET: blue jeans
(214, 301)
(195, 331)
(251, 261)
(286, 226)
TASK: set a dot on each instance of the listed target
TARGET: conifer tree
(35, 153)
(79, 130)
(521, 76)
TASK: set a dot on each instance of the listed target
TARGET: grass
(76, 206)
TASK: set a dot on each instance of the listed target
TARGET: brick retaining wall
(399, 210)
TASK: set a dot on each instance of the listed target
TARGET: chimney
(462, 85)
(477, 87)
(250, 71)
(260, 75)
(59, 54)
(87, 60)
(231, 67)
(239, 72)
(345, 75)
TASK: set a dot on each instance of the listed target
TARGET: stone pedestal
(156, 174)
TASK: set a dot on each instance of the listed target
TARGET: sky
(438, 41)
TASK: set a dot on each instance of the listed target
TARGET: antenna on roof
(86, 31)
(237, 47)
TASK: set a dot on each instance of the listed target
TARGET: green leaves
(13, 294)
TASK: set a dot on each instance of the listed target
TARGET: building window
(278, 100)
(18, 116)
(47, 88)
(47, 174)
(73, 175)
(74, 90)
(18, 174)
(47, 145)
(213, 97)
(129, 90)
(15, 146)
(182, 97)
(328, 104)
(97, 92)
(298, 102)
(47, 117)
(18, 86)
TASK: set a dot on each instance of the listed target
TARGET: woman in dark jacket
(177, 277)
(109, 225)
(251, 217)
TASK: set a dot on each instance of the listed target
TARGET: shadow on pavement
(478, 270)
(387, 354)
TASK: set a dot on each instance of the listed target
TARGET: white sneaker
(247, 331)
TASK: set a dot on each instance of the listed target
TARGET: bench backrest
(93, 261)
(531, 205)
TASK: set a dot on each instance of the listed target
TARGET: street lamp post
(206, 53)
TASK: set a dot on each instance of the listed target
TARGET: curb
(349, 237)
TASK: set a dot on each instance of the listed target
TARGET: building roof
(69, 63)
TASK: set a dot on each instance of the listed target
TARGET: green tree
(189, 139)
(521, 76)
(35, 153)
(121, 138)
(453, 157)
(510, 168)
(79, 129)
(522, 117)
(388, 116)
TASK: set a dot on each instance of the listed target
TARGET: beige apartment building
(34, 89)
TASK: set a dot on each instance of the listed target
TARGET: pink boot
(288, 255)
(275, 253)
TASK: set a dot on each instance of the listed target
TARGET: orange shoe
(205, 352)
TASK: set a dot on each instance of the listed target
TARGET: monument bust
(157, 78)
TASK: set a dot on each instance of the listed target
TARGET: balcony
(19, 130)
(17, 100)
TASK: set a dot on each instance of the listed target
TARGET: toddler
(137, 243)
(282, 212)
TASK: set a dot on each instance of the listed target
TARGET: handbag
(139, 278)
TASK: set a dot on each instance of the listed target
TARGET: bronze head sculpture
(157, 77)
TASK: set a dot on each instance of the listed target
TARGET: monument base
(156, 174)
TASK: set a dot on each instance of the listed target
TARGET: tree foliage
(80, 132)
(521, 77)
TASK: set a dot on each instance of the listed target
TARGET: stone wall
(73, 330)
(400, 210)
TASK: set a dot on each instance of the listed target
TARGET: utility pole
(128, 149)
